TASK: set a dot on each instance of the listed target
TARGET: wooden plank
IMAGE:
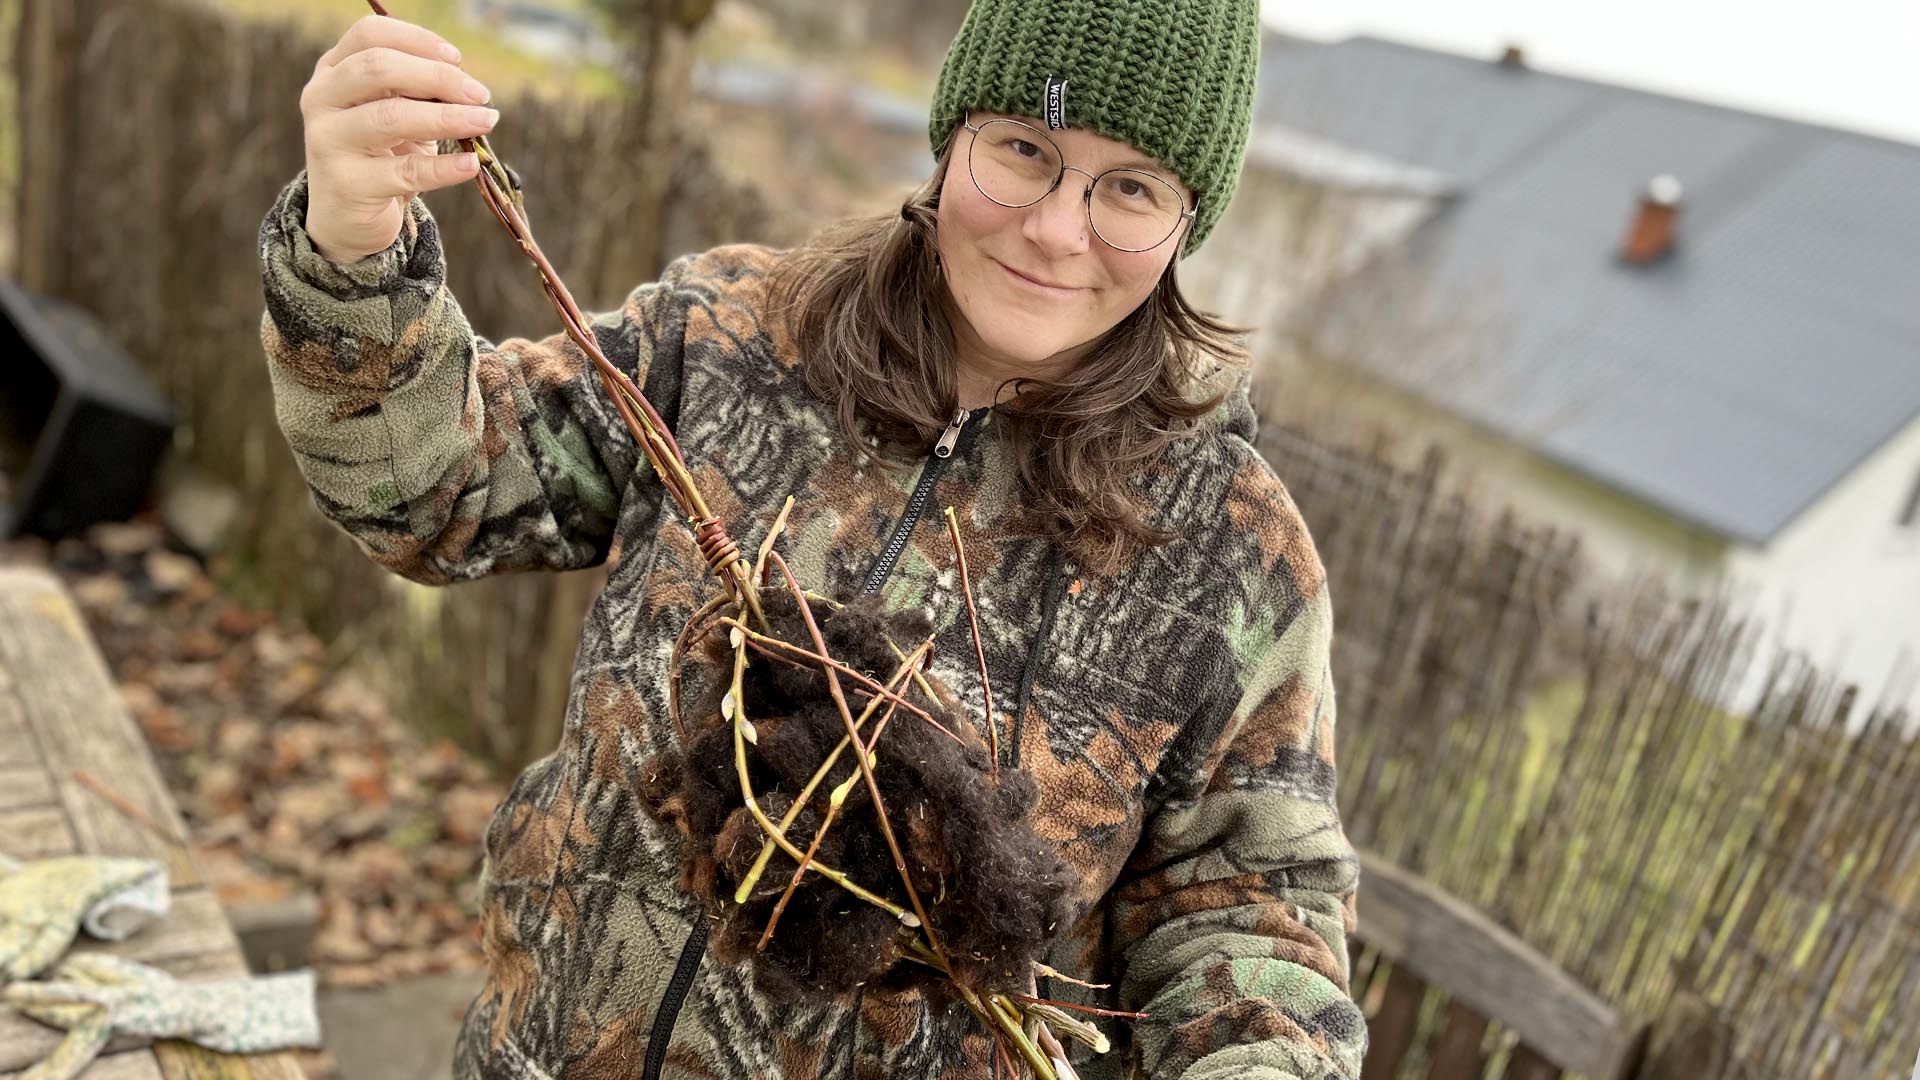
(1491, 971)
(16, 742)
(35, 833)
(78, 722)
(1390, 1032)
(186, 1061)
(135, 1064)
(193, 939)
(60, 714)
(22, 787)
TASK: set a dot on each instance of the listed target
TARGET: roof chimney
(1513, 57)
(1651, 236)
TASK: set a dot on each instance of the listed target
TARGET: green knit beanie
(1172, 78)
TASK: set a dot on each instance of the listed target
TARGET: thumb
(420, 173)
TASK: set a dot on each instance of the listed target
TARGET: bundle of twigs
(996, 887)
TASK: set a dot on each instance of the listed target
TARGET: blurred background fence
(1717, 839)
(1572, 757)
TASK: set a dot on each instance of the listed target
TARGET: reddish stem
(769, 646)
(979, 649)
(866, 767)
(825, 823)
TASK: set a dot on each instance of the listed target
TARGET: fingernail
(476, 90)
(493, 117)
(452, 54)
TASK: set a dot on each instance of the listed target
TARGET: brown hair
(865, 295)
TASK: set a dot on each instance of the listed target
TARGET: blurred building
(553, 33)
(1691, 332)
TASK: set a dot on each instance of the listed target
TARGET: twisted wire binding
(715, 545)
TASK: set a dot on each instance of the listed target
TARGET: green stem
(860, 756)
(813, 784)
(766, 823)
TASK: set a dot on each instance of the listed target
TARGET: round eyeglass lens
(1016, 165)
(1134, 210)
(1013, 164)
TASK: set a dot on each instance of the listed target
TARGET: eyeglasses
(1017, 164)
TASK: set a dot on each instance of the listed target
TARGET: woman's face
(1008, 326)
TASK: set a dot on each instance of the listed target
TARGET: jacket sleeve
(446, 457)
(1232, 916)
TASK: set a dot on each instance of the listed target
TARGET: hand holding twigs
(378, 103)
(502, 196)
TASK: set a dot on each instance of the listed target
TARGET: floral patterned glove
(43, 904)
(95, 996)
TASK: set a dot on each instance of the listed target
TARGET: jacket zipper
(916, 503)
(676, 995)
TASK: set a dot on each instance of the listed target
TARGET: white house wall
(1843, 580)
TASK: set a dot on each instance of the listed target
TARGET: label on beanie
(1056, 102)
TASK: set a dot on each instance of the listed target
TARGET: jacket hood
(1234, 415)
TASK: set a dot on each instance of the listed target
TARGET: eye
(1021, 146)
(1131, 188)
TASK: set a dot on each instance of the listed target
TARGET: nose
(1058, 223)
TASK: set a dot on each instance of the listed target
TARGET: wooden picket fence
(1568, 757)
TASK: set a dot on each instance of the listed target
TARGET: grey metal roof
(1733, 383)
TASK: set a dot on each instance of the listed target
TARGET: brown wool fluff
(996, 893)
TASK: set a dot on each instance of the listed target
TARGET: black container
(80, 429)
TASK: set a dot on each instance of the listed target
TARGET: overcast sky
(1851, 64)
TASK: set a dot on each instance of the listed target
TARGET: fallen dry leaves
(292, 777)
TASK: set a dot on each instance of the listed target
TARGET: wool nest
(996, 892)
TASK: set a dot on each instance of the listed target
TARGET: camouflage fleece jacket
(1178, 718)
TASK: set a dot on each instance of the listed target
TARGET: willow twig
(766, 543)
(979, 650)
(860, 757)
(752, 876)
(1009, 1022)
(867, 682)
(753, 807)
(655, 439)
(1050, 973)
(833, 807)
(1030, 999)
(695, 621)
(1049, 1045)
(120, 803)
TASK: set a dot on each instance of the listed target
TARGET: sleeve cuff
(377, 273)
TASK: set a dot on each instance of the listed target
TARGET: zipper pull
(944, 448)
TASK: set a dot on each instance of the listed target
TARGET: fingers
(385, 30)
(30, 948)
(378, 126)
(383, 71)
(105, 969)
(82, 1045)
(30, 995)
(405, 175)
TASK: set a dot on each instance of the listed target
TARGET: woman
(1013, 345)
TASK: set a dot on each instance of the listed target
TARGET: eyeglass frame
(1086, 197)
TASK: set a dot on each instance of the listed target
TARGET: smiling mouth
(1057, 290)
